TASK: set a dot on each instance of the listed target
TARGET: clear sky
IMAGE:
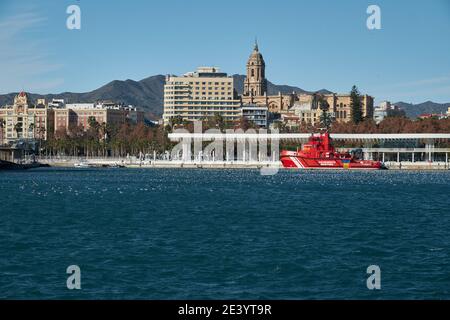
(310, 44)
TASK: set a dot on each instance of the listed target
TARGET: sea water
(224, 234)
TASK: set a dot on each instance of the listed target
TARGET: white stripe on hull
(297, 162)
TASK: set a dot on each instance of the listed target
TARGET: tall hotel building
(199, 95)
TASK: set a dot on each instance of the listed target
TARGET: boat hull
(297, 162)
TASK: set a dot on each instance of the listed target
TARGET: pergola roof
(305, 136)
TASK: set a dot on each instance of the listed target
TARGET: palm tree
(41, 134)
(2, 125)
(93, 123)
(219, 121)
(31, 129)
(18, 128)
(176, 120)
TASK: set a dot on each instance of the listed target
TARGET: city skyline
(134, 41)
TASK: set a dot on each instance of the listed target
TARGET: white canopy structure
(367, 137)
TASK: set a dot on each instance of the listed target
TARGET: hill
(414, 110)
(146, 93)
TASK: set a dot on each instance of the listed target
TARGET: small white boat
(82, 165)
(116, 165)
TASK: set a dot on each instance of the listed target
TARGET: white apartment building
(256, 114)
(384, 105)
(201, 94)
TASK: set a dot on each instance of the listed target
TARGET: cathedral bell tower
(255, 84)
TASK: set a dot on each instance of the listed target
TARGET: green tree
(355, 105)
(245, 124)
(219, 121)
(93, 124)
(325, 116)
(177, 120)
(31, 128)
(326, 120)
(281, 126)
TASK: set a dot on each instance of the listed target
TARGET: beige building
(342, 109)
(25, 121)
(300, 107)
(308, 111)
(78, 115)
(199, 95)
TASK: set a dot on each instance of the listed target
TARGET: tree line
(107, 140)
(100, 140)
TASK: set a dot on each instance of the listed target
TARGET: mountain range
(414, 110)
(148, 94)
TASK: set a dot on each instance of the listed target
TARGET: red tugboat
(319, 153)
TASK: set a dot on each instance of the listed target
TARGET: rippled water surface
(178, 234)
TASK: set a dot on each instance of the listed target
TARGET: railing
(305, 136)
(200, 158)
(402, 150)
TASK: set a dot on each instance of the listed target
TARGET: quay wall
(133, 163)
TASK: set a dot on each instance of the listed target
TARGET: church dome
(256, 57)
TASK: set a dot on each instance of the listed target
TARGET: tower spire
(255, 81)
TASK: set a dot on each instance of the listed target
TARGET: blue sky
(310, 44)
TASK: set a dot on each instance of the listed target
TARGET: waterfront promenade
(134, 162)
